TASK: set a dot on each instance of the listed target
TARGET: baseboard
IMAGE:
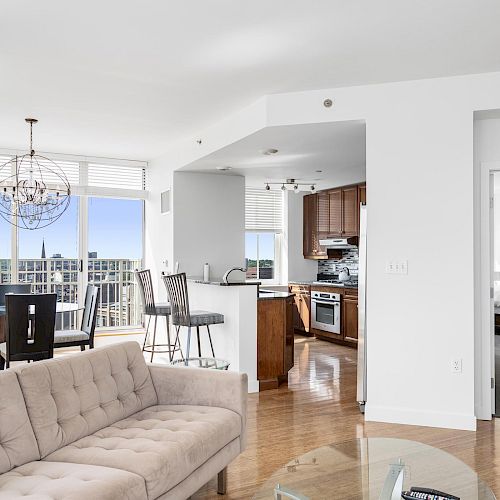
(418, 417)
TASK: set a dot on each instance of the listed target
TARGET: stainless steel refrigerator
(361, 385)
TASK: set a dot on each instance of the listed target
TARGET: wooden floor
(319, 407)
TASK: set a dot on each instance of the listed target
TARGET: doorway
(487, 263)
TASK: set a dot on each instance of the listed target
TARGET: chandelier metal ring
(34, 190)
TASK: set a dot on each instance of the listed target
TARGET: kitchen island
(255, 337)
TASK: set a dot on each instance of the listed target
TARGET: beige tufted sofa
(102, 424)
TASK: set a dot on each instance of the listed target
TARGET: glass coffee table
(358, 470)
(213, 363)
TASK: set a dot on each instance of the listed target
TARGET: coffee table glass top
(357, 470)
(214, 363)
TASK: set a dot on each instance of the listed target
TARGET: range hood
(340, 243)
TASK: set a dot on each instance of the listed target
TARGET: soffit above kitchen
(319, 152)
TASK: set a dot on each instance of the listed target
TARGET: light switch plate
(396, 267)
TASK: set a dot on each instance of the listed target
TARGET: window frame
(83, 191)
(278, 243)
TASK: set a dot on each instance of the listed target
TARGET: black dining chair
(153, 309)
(30, 321)
(84, 336)
(7, 288)
(176, 285)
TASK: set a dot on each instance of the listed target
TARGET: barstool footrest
(153, 348)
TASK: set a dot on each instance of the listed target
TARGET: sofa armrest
(202, 387)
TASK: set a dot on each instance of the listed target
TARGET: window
(115, 251)
(264, 233)
(101, 232)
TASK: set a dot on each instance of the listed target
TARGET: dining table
(61, 307)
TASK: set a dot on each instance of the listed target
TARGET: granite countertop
(346, 284)
(271, 294)
(219, 282)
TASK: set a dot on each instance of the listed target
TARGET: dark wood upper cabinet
(311, 235)
(323, 212)
(350, 211)
(362, 193)
(335, 212)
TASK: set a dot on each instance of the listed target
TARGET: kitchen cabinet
(350, 211)
(301, 308)
(275, 342)
(362, 193)
(333, 213)
(350, 319)
(311, 236)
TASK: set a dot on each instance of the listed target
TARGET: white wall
(158, 254)
(296, 268)
(420, 187)
(209, 222)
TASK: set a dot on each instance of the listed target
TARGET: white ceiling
(337, 149)
(126, 78)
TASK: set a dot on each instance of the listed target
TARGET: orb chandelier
(34, 191)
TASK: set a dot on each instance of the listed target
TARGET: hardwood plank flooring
(319, 407)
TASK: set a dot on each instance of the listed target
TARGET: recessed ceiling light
(224, 169)
(319, 171)
(270, 151)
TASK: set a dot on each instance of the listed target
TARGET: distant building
(92, 255)
(56, 256)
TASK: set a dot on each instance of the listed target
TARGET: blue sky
(115, 231)
(266, 244)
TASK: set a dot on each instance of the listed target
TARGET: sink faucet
(226, 274)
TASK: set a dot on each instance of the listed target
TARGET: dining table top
(61, 307)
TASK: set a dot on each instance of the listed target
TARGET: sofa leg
(222, 481)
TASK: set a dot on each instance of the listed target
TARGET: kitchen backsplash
(350, 259)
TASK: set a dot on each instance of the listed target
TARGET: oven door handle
(328, 303)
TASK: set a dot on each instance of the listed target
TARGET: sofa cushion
(163, 444)
(73, 396)
(53, 480)
(17, 441)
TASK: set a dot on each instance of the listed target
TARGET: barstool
(176, 285)
(152, 309)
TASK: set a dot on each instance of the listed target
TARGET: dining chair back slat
(90, 310)
(30, 326)
(7, 288)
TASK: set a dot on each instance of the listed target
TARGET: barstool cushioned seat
(163, 309)
(202, 318)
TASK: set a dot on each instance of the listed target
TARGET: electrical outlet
(456, 365)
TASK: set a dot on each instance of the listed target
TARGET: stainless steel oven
(325, 311)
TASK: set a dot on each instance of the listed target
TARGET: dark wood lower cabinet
(349, 314)
(301, 308)
(275, 342)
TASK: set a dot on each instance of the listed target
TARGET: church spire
(43, 248)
